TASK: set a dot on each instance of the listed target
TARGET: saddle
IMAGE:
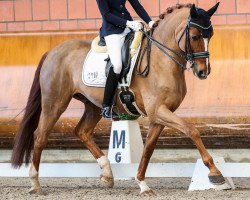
(96, 71)
(131, 43)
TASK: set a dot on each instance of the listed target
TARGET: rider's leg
(114, 44)
(110, 88)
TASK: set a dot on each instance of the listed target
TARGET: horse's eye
(195, 37)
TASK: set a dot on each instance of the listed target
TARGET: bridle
(188, 56)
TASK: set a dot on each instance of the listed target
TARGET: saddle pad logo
(92, 75)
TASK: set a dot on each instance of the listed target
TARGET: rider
(117, 23)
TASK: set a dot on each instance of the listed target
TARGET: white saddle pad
(93, 73)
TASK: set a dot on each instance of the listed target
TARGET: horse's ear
(193, 12)
(212, 10)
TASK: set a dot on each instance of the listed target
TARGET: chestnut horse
(58, 80)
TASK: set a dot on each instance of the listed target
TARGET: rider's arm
(140, 10)
(107, 15)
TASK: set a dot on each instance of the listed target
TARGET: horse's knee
(196, 135)
(193, 133)
(84, 129)
(84, 137)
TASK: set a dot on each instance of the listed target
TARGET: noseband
(188, 56)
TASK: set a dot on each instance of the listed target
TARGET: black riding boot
(109, 92)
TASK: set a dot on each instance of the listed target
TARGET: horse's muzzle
(201, 74)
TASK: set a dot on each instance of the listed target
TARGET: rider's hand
(151, 24)
(134, 25)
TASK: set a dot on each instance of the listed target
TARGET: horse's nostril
(202, 73)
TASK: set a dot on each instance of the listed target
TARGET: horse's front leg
(153, 134)
(165, 117)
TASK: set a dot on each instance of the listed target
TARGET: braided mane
(170, 10)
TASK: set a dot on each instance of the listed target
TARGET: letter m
(117, 141)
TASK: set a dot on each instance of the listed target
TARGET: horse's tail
(24, 140)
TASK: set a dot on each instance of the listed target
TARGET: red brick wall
(39, 15)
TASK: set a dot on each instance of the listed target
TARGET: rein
(189, 55)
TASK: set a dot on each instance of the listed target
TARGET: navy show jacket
(115, 15)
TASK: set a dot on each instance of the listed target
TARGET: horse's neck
(163, 72)
(165, 31)
(165, 34)
(165, 79)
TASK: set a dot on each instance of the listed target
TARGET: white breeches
(114, 44)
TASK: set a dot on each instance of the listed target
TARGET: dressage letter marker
(200, 179)
(117, 141)
(125, 145)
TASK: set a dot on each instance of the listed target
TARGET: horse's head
(193, 38)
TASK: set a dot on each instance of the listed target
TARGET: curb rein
(189, 55)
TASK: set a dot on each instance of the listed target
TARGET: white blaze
(206, 49)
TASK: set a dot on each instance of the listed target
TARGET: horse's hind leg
(166, 117)
(51, 111)
(84, 130)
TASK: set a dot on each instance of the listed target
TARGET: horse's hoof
(107, 182)
(216, 180)
(37, 191)
(148, 193)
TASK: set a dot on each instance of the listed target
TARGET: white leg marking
(105, 165)
(143, 185)
(33, 173)
(35, 185)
